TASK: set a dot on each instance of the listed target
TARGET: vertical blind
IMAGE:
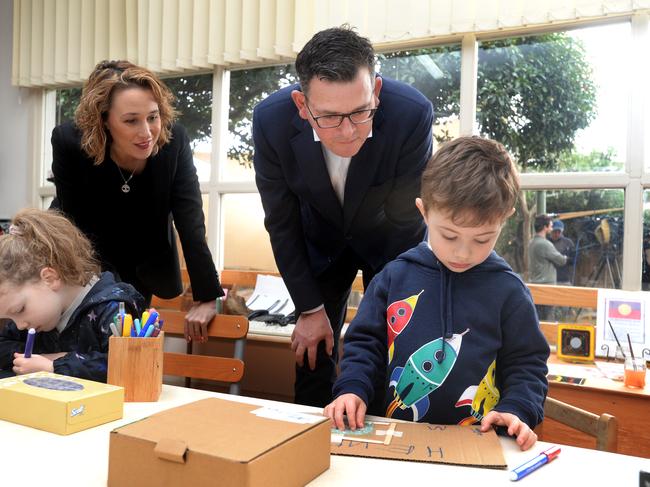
(58, 42)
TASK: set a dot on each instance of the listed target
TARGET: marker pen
(531, 465)
(29, 345)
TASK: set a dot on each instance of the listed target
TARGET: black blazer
(133, 233)
(306, 222)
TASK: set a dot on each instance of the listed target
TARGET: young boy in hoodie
(447, 333)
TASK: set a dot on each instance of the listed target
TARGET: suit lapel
(362, 171)
(311, 162)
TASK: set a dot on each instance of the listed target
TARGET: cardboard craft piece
(423, 442)
(57, 403)
(220, 442)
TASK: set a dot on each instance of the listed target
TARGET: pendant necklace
(125, 187)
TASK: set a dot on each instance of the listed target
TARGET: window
(435, 72)
(66, 103)
(248, 87)
(558, 101)
(194, 104)
(246, 242)
(592, 220)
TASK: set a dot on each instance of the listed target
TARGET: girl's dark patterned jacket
(86, 336)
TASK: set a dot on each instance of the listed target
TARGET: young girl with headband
(51, 282)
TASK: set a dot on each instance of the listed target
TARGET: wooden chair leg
(188, 380)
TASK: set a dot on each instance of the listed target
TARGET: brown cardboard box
(219, 442)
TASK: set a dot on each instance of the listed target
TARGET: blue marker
(531, 465)
(29, 345)
(151, 319)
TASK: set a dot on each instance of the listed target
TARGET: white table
(32, 457)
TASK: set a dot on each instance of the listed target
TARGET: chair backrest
(603, 427)
(190, 365)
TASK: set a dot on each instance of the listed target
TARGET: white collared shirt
(337, 168)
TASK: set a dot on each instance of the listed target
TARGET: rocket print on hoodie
(398, 316)
(425, 370)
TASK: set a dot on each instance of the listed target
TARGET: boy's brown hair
(108, 78)
(45, 238)
(472, 179)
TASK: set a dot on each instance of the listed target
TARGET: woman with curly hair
(124, 173)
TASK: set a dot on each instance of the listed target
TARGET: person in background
(124, 174)
(564, 246)
(448, 323)
(338, 160)
(543, 259)
(51, 281)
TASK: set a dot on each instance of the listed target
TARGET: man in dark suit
(338, 160)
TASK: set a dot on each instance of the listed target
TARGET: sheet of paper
(611, 370)
(272, 295)
(279, 414)
(626, 312)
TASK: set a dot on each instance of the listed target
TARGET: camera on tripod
(603, 234)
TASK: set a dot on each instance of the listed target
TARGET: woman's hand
(197, 319)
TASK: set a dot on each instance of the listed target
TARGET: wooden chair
(190, 365)
(603, 427)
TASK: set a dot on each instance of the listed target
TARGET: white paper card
(619, 314)
(285, 415)
(272, 295)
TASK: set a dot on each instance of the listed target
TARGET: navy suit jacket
(308, 226)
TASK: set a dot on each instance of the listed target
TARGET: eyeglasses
(332, 121)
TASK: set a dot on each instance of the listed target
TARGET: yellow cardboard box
(57, 403)
(218, 442)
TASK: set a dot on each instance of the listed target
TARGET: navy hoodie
(85, 338)
(446, 347)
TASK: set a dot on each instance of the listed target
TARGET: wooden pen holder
(136, 364)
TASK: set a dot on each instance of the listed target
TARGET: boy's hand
(35, 363)
(526, 437)
(350, 405)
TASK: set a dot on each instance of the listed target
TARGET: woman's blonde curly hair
(108, 78)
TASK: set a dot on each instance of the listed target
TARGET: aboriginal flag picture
(626, 310)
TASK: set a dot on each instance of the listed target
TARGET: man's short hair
(471, 178)
(334, 54)
(541, 221)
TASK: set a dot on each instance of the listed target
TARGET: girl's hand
(35, 363)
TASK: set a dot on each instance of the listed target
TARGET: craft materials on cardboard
(59, 404)
(423, 442)
(219, 442)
